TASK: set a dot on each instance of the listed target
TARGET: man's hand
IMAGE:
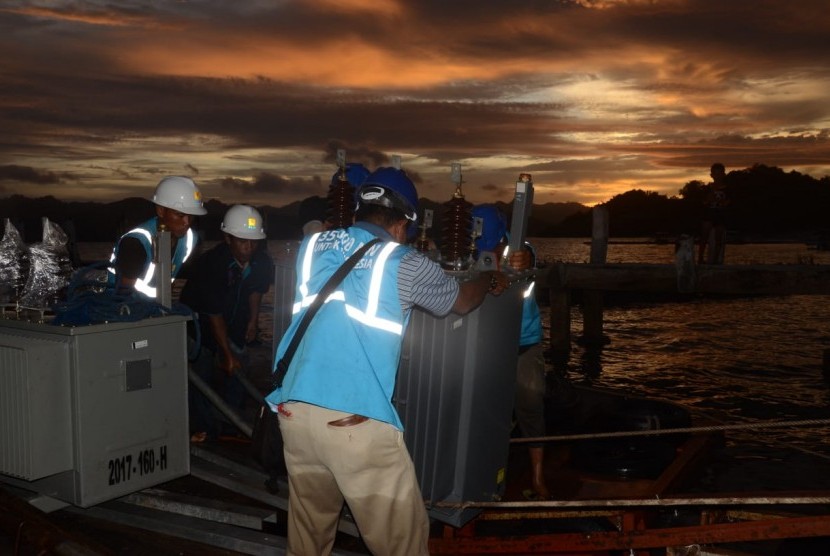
(472, 292)
(520, 260)
(230, 364)
(250, 332)
(227, 360)
(498, 282)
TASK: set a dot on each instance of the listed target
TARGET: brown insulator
(456, 228)
(341, 204)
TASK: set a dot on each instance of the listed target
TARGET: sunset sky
(99, 99)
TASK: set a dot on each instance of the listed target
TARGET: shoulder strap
(325, 292)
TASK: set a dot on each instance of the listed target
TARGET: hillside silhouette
(94, 222)
(767, 203)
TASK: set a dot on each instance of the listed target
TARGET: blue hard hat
(392, 188)
(355, 174)
(493, 228)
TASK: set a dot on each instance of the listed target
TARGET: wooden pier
(684, 277)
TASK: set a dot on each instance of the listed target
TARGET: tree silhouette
(766, 202)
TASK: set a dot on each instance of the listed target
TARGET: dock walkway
(684, 278)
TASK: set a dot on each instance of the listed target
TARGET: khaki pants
(368, 466)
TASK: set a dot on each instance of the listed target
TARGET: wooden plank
(691, 452)
(568, 543)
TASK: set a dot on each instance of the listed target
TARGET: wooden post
(599, 235)
(711, 246)
(560, 314)
(684, 260)
(592, 305)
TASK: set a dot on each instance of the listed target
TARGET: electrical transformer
(455, 390)
(92, 413)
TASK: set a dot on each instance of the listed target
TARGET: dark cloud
(589, 95)
(271, 114)
(364, 154)
(498, 192)
(272, 184)
(27, 174)
(739, 151)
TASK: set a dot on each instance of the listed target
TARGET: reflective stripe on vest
(368, 316)
(142, 284)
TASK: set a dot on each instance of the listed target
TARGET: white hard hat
(244, 222)
(181, 194)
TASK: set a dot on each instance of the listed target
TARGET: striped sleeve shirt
(422, 282)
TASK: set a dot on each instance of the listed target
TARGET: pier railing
(683, 277)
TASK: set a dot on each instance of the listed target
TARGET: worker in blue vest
(178, 200)
(530, 370)
(343, 437)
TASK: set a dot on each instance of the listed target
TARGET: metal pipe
(220, 404)
(252, 390)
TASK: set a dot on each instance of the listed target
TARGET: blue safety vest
(348, 358)
(531, 318)
(144, 233)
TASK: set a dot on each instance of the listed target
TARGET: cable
(654, 432)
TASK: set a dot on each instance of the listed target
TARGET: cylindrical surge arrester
(341, 203)
(456, 227)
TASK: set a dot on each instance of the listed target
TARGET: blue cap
(391, 188)
(355, 174)
(493, 229)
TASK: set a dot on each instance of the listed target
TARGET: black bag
(267, 447)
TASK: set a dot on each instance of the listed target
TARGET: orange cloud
(346, 62)
(374, 7)
(91, 17)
